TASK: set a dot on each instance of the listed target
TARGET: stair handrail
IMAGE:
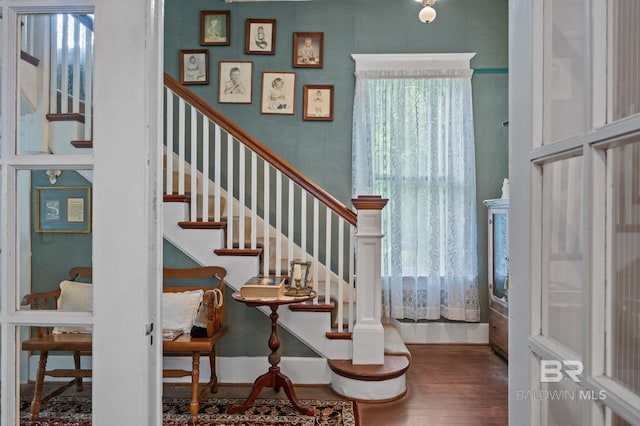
(265, 153)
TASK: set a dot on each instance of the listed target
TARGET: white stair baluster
(194, 165)
(168, 189)
(290, 233)
(340, 274)
(327, 263)
(181, 147)
(278, 222)
(205, 169)
(254, 200)
(267, 210)
(216, 173)
(241, 196)
(229, 191)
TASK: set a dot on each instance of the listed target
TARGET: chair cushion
(179, 310)
(74, 297)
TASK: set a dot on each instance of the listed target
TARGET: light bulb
(427, 14)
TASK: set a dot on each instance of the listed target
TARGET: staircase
(230, 201)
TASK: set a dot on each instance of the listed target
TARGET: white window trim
(412, 61)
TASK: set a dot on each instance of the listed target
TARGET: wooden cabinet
(498, 258)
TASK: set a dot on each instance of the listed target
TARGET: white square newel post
(368, 334)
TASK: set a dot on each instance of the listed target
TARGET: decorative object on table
(300, 283)
(271, 286)
(260, 37)
(318, 102)
(63, 209)
(235, 82)
(278, 92)
(308, 50)
(194, 66)
(215, 28)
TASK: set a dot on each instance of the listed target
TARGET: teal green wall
(322, 150)
(54, 253)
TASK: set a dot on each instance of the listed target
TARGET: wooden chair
(43, 341)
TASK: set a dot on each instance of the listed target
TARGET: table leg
(273, 378)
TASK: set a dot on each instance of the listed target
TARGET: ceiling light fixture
(428, 13)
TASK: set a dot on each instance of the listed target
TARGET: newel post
(368, 334)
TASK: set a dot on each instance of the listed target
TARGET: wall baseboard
(443, 332)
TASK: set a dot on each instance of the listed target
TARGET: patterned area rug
(75, 411)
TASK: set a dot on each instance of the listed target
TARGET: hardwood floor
(447, 385)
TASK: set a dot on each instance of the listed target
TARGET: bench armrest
(213, 303)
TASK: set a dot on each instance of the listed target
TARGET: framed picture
(235, 82)
(260, 36)
(63, 209)
(308, 50)
(278, 92)
(194, 66)
(214, 28)
(318, 102)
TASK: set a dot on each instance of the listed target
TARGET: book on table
(265, 287)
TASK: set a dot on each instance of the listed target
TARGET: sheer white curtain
(413, 143)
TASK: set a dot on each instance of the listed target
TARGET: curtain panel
(413, 143)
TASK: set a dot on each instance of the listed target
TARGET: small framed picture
(318, 102)
(63, 209)
(214, 28)
(235, 82)
(194, 66)
(278, 92)
(260, 36)
(308, 50)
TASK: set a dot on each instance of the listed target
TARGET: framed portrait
(215, 28)
(308, 50)
(278, 92)
(194, 66)
(63, 209)
(318, 102)
(260, 37)
(235, 82)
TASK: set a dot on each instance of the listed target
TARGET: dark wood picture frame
(235, 82)
(318, 102)
(260, 37)
(308, 50)
(215, 28)
(278, 92)
(194, 66)
(63, 209)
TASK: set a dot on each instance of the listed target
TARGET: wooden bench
(44, 341)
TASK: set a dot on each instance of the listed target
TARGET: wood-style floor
(447, 385)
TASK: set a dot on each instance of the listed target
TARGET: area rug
(76, 411)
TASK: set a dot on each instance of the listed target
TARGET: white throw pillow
(179, 310)
(74, 297)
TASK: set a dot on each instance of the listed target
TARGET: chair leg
(37, 392)
(212, 365)
(76, 362)
(195, 381)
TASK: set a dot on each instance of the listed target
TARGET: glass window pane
(624, 350)
(54, 99)
(564, 403)
(562, 250)
(625, 86)
(54, 227)
(564, 71)
(73, 405)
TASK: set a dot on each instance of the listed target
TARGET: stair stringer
(198, 244)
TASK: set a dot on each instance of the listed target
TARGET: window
(414, 145)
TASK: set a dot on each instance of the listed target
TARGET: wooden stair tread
(202, 225)
(238, 252)
(82, 144)
(394, 366)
